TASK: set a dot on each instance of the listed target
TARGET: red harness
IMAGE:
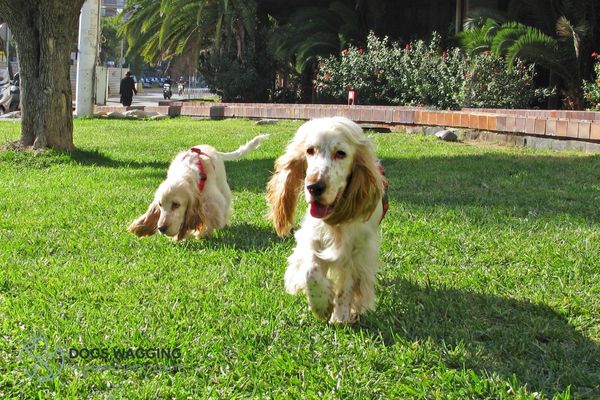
(202, 180)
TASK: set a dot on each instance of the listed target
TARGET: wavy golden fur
(335, 258)
(364, 187)
(180, 207)
(363, 191)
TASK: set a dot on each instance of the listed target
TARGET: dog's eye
(310, 151)
(340, 155)
(175, 206)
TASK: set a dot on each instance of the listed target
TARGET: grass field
(489, 289)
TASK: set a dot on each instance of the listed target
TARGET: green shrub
(354, 71)
(386, 73)
(428, 75)
(422, 73)
(592, 89)
(489, 84)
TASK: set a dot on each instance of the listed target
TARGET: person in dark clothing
(127, 89)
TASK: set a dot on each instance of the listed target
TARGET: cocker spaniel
(195, 197)
(336, 255)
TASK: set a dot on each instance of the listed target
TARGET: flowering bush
(384, 73)
(592, 89)
(421, 73)
(489, 84)
(353, 70)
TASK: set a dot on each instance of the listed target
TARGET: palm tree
(162, 29)
(313, 32)
(554, 35)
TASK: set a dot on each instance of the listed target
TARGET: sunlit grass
(489, 286)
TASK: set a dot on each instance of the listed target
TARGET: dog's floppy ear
(193, 217)
(284, 186)
(363, 191)
(146, 224)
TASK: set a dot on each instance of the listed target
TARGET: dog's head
(335, 164)
(174, 212)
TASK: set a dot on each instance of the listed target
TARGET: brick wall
(557, 124)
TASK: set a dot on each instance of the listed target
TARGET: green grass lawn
(489, 289)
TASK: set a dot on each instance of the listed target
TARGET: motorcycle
(167, 91)
(9, 95)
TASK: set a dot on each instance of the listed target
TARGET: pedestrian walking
(127, 89)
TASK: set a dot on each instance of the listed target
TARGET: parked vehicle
(10, 94)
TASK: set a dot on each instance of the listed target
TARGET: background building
(110, 8)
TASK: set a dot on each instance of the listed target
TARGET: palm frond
(567, 31)
(478, 17)
(478, 39)
(506, 36)
(538, 48)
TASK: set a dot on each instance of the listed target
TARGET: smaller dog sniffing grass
(195, 198)
(489, 283)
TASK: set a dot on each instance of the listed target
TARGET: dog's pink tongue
(318, 210)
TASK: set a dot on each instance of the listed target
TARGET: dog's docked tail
(245, 149)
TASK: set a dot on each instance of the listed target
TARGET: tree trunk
(45, 32)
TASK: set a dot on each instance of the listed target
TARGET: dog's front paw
(321, 310)
(319, 300)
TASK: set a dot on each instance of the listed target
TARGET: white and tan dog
(195, 198)
(336, 254)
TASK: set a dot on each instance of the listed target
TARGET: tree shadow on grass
(519, 184)
(98, 159)
(246, 174)
(94, 158)
(493, 334)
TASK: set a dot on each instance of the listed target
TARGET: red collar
(202, 180)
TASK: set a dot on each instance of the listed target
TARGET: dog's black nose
(163, 229)
(316, 189)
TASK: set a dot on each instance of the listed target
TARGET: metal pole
(459, 16)
(86, 60)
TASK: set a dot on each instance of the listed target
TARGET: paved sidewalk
(151, 97)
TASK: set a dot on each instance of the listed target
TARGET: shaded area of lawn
(519, 184)
(489, 334)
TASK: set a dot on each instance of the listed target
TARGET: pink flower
(444, 55)
(361, 50)
(407, 46)
(594, 54)
(345, 52)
